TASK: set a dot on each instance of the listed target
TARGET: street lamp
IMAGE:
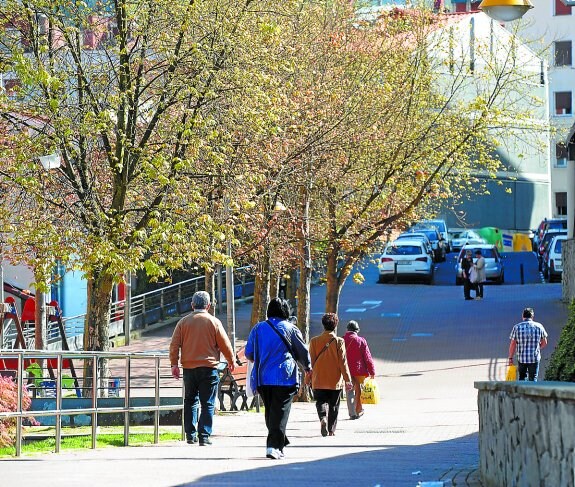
(505, 10)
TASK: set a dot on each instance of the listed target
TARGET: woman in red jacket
(360, 366)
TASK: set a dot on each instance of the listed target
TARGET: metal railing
(175, 299)
(101, 383)
(145, 310)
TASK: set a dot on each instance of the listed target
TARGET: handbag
(250, 391)
(473, 276)
(369, 391)
(511, 373)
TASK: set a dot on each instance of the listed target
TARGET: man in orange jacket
(200, 337)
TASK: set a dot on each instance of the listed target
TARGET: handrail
(145, 310)
(95, 361)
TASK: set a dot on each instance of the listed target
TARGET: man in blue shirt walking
(527, 338)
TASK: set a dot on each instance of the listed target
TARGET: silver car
(406, 259)
(494, 270)
(465, 237)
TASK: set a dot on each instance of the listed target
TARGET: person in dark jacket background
(275, 346)
(360, 365)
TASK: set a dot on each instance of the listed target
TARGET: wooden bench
(233, 385)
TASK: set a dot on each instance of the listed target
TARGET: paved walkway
(424, 430)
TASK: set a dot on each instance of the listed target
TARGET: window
(563, 56)
(561, 155)
(563, 104)
(561, 8)
(561, 203)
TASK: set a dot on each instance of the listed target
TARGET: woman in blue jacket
(275, 346)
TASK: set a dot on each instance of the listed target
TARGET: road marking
(373, 304)
(390, 315)
(356, 310)
(399, 339)
(422, 334)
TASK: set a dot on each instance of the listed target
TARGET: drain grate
(387, 431)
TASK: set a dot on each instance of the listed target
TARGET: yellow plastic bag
(511, 373)
(369, 391)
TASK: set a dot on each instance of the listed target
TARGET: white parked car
(465, 237)
(552, 263)
(409, 258)
(419, 236)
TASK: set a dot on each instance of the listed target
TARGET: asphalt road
(414, 322)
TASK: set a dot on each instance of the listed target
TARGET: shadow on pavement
(389, 466)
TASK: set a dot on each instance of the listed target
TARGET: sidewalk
(423, 431)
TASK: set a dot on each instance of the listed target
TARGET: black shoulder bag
(284, 339)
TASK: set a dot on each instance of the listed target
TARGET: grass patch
(37, 440)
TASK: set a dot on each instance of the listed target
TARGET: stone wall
(526, 434)
(568, 259)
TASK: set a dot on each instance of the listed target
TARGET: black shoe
(469, 299)
(192, 439)
(205, 441)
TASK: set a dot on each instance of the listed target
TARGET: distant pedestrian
(527, 338)
(275, 346)
(480, 274)
(466, 266)
(199, 338)
(360, 365)
(330, 373)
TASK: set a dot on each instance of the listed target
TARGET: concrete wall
(526, 434)
(568, 259)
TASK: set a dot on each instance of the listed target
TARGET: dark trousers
(200, 389)
(327, 404)
(277, 402)
(478, 289)
(528, 371)
(467, 287)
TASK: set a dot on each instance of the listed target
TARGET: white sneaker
(274, 454)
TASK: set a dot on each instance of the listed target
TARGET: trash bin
(492, 235)
(521, 243)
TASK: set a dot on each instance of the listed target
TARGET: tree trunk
(291, 288)
(40, 320)
(97, 333)
(335, 278)
(274, 285)
(333, 287)
(261, 291)
(97, 328)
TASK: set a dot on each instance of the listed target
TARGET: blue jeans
(531, 370)
(200, 389)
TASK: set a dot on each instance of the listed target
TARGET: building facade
(552, 24)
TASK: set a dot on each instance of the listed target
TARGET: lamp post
(48, 162)
(230, 303)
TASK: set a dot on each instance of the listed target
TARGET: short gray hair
(200, 300)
